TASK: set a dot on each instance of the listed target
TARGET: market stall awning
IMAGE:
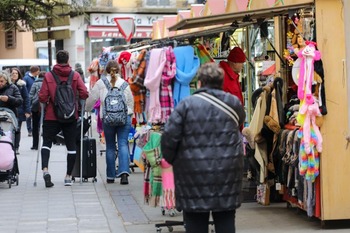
(242, 16)
(204, 32)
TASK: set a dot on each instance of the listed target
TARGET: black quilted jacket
(205, 148)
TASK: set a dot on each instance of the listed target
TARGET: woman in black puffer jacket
(204, 145)
(10, 97)
(23, 111)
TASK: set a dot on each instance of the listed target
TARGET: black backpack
(64, 104)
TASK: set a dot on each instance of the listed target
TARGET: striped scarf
(166, 93)
(136, 83)
(153, 156)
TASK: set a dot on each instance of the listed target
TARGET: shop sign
(112, 33)
(107, 19)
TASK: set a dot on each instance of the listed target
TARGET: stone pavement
(102, 208)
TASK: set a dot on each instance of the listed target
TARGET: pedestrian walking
(23, 111)
(99, 92)
(29, 78)
(202, 141)
(35, 108)
(53, 122)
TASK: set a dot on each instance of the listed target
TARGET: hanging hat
(124, 57)
(236, 55)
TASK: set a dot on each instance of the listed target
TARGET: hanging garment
(152, 83)
(202, 54)
(166, 93)
(187, 65)
(136, 82)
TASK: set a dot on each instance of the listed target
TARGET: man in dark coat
(204, 145)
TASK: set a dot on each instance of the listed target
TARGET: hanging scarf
(166, 95)
(168, 185)
(203, 54)
(136, 82)
(187, 65)
(152, 83)
(153, 156)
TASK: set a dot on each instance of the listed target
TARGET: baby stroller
(8, 160)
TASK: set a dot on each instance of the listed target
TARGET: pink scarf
(152, 82)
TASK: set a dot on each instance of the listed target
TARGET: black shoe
(110, 181)
(124, 179)
(48, 183)
(34, 148)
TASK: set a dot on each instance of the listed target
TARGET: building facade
(94, 30)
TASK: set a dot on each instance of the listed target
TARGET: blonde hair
(112, 68)
(6, 76)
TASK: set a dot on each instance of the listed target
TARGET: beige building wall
(25, 47)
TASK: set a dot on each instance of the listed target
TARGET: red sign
(113, 32)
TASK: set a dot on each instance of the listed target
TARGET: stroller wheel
(17, 179)
(9, 181)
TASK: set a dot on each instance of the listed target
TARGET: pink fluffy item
(168, 185)
(7, 155)
(308, 56)
(311, 109)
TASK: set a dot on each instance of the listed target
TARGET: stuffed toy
(308, 56)
(311, 110)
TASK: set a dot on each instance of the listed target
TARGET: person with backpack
(117, 104)
(59, 92)
(35, 108)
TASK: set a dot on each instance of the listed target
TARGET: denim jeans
(122, 133)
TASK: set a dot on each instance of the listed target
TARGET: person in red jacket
(51, 126)
(232, 67)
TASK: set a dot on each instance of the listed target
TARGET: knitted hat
(236, 55)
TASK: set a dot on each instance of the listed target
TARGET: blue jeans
(122, 133)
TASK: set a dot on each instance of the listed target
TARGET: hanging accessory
(220, 105)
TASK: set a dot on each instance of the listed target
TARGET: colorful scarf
(202, 54)
(152, 83)
(166, 93)
(136, 82)
(153, 156)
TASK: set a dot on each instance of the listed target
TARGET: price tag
(278, 186)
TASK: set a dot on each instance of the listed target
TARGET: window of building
(10, 39)
(155, 3)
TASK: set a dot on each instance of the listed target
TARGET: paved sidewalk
(103, 208)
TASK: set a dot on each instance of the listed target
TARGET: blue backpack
(115, 109)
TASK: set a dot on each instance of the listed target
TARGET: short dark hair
(211, 75)
(62, 57)
(34, 69)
